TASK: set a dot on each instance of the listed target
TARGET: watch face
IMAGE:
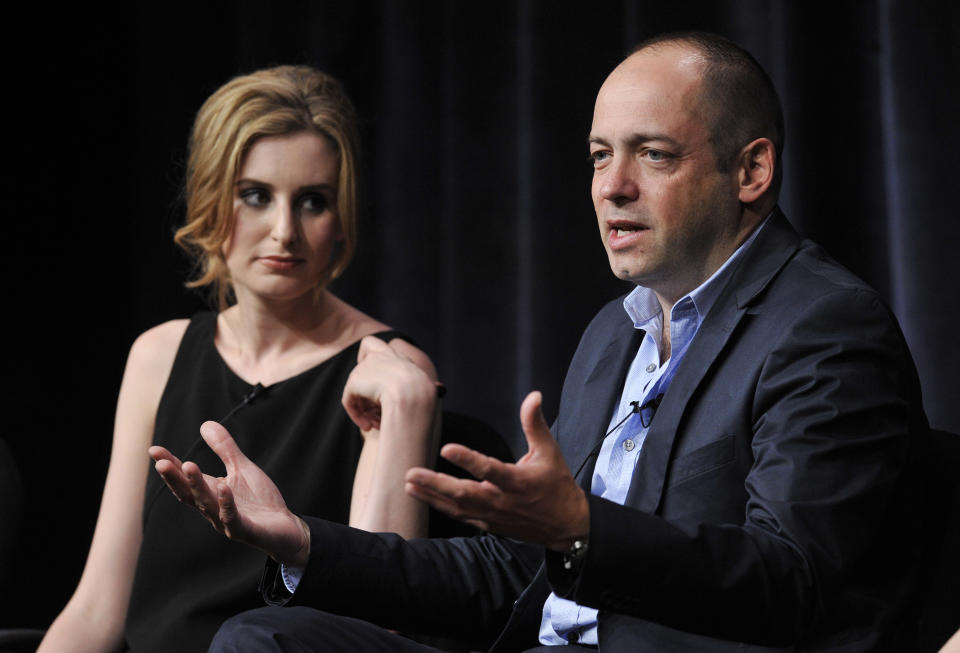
(573, 557)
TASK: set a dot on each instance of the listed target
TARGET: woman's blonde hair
(272, 102)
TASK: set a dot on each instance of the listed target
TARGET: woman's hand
(385, 379)
(245, 505)
(391, 395)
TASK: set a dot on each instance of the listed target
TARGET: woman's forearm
(408, 437)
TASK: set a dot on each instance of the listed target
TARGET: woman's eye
(255, 197)
(314, 202)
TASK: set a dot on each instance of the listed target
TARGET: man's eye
(314, 202)
(598, 157)
(657, 155)
(255, 197)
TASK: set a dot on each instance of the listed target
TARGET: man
(729, 469)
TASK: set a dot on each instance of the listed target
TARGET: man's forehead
(671, 64)
(650, 85)
(654, 91)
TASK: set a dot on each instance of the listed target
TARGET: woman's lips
(280, 262)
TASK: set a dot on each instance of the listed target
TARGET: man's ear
(755, 168)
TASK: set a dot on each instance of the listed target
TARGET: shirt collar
(642, 305)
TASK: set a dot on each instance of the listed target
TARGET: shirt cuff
(291, 577)
(272, 588)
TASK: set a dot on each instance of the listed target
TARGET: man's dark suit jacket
(770, 504)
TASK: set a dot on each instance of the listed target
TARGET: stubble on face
(663, 206)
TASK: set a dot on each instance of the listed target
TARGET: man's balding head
(737, 97)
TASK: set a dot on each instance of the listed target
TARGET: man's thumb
(532, 421)
(219, 439)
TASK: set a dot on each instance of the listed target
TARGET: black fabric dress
(189, 578)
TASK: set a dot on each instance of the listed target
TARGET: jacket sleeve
(462, 587)
(824, 532)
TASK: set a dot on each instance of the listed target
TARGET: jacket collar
(774, 246)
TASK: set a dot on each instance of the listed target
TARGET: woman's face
(285, 217)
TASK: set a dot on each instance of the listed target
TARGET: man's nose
(617, 182)
(285, 226)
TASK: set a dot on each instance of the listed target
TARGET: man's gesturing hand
(245, 505)
(535, 500)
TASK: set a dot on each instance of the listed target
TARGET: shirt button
(628, 445)
(652, 367)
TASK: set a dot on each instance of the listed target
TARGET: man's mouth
(624, 234)
(620, 229)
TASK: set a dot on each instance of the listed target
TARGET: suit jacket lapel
(774, 246)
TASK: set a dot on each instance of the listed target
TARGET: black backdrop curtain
(477, 236)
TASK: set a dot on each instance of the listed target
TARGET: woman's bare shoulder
(362, 325)
(154, 349)
(148, 368)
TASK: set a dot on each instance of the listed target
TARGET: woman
(271, 219)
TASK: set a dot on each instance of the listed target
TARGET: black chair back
(939, 611)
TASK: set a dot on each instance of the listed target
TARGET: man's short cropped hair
(738, 96)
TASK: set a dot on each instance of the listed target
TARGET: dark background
(477, 236)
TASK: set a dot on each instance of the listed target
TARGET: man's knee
(305, 630)
(264, 629)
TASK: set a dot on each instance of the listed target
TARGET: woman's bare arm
(93, 619)
(392, 396)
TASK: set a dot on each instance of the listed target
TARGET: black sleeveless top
(189, 578)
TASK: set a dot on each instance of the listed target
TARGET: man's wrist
(298, 555)
(302, 554)
(578, 524)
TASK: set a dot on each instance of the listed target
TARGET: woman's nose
(284, 229)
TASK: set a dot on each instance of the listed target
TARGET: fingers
(460, 498)
(212, 497)
(452, 491)
(416, 356)
(506, 476)
(370, 345)
(169, 468)
(159, 453)
(228, 509)
(203, 495)
(444, 504)
(175, 481)
(480, 466)
(361, 395)
(533, 423)
(186, 481)
(363, 411)
(222, 444)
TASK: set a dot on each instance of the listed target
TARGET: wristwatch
(574, 556)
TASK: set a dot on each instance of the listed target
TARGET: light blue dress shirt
(565, 621)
